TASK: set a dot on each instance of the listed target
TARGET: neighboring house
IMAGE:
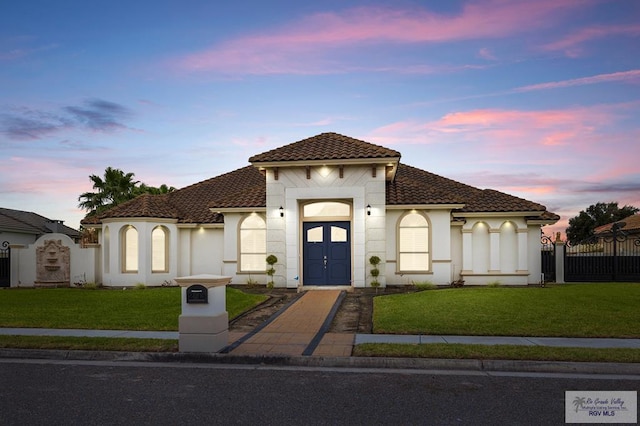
(627, 234)
(630, 227)
(324, 206)
(21, 227)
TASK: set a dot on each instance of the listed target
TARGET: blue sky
(539, 99)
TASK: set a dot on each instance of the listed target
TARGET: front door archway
(326, 253)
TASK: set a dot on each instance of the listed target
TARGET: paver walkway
(300, 330)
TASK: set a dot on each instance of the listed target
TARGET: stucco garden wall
(83, 262)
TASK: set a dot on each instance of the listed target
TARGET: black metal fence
(611, 257)
(5, 264)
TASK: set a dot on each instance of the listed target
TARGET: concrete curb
(487, 366)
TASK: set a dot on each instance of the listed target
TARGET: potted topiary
(375, 272)
(271, 260)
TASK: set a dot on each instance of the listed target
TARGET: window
(130, 249)
(159, 249)
(327, 209)
(413, 243)
(338, 235)
(314, 235)
(253, 244)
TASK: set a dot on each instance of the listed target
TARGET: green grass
(570, 310)
(508, 352)
(89, 343)
(148, 309)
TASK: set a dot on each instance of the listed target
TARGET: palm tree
(116, 187)
(162, 189)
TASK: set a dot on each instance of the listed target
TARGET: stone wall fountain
(52, 265)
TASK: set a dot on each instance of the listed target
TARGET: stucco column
(559, 257)
(14, 267)
(523, 253)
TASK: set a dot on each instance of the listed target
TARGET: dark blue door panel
(326, 253)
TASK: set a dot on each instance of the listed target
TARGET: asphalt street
(56, 392)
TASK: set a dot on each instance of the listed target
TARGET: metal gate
(5, 264)
(548, 259)
(609, 257)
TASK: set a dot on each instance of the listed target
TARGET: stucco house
(23, 227)
(323, 206)
(629, 226)
(627, 235)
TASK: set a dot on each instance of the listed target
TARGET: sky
(538, 99)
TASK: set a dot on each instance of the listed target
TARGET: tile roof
(32, 223)
(246, 187)
(490, 200)
(145, 205)
(631, 223)
(415, 186)
(325, 146)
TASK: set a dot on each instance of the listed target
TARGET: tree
(115, 188)
(581, 227)
(145, 189)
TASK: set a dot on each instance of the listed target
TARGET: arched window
(253, 244)
(332, 210)
(130, 249)
(413, 243)
(159, 249)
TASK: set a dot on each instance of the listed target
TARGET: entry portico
(324, 206)
(324, 188)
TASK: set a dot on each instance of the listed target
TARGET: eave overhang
(497, 214)
(424, 206)
(390, 163)
(200, 225)
(238, 209)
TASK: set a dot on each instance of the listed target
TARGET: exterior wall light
(368, 209)
(281, 209)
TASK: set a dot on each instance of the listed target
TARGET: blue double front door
(326, 253)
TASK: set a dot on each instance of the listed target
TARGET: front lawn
(146, 309)
(570, 310)
(507, 352)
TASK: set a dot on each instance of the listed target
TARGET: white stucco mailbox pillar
(204, 323)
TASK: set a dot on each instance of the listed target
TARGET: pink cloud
(311, 44)
(44, 177)
(571, 44)
(556, 137)
(496, 127)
